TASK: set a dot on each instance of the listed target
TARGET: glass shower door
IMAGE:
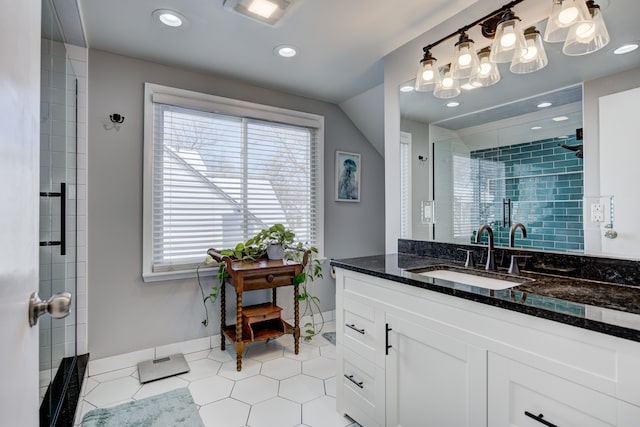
(57, 257)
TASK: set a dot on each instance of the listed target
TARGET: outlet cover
(597, 212)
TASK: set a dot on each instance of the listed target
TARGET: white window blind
(405, 185)
(465, 197)
(475, 200)
(218, 178)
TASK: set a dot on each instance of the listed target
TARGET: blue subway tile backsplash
(543, 185)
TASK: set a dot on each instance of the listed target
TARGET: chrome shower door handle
(57, 306)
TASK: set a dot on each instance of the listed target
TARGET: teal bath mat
(171, 409)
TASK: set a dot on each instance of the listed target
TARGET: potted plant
(275, 239)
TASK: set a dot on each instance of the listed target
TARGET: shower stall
(61, 370)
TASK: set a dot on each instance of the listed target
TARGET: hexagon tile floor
(276, 388)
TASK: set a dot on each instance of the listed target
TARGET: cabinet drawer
(359, 331)
(522, 396)
(363, 386)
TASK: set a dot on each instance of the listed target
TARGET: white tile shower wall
(52, 172)
(78, 59)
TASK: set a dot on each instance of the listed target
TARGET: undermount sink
(486, 280)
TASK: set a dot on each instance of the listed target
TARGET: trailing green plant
(213, 293)
(311, 303)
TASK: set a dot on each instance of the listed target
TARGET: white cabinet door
(432, 379)
(522, 396)
(629, 415)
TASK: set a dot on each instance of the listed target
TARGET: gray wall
(126, 314)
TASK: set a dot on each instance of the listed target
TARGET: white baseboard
(329, 316)
(126, 360)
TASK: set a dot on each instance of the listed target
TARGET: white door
(19, 190)
(619, 153)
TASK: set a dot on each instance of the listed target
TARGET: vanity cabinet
(412, 357)
(397, 367)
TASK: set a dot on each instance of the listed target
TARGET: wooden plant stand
(263, 320)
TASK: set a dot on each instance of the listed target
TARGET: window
(478, 188)
(465, 203)
(219, 170)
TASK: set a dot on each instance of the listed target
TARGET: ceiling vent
(270, 12)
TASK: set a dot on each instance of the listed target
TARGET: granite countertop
(608, 308)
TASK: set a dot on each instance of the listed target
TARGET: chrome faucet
(512, 233)
(491, 253)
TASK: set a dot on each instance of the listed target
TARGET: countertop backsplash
(612, 270)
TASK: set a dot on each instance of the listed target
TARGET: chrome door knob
(57, 306)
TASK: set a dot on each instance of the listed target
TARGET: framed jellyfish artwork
(348, 167)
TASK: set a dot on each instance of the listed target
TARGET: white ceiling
(341, 42)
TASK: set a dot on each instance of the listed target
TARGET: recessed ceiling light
(453, 104)
(545, 104)
(170, 18)
(536, 128)
(626, 48)
(560, 118)
(407, 88)
(285, 51)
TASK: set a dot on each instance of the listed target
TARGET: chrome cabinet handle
(539, 418)
(57, 306)
(352, 326)
(350, 378)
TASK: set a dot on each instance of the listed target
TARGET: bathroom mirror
(524, 169)
(477, 148)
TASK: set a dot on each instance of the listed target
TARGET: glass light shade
(447, 87)
(509, 40)
(587, 36)
(428, 75)
(531, 58)
(488, 73)
(465, 59)
(564, 14)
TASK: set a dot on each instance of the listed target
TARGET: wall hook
(116, 120)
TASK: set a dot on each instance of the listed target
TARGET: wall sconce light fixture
(116, 120)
